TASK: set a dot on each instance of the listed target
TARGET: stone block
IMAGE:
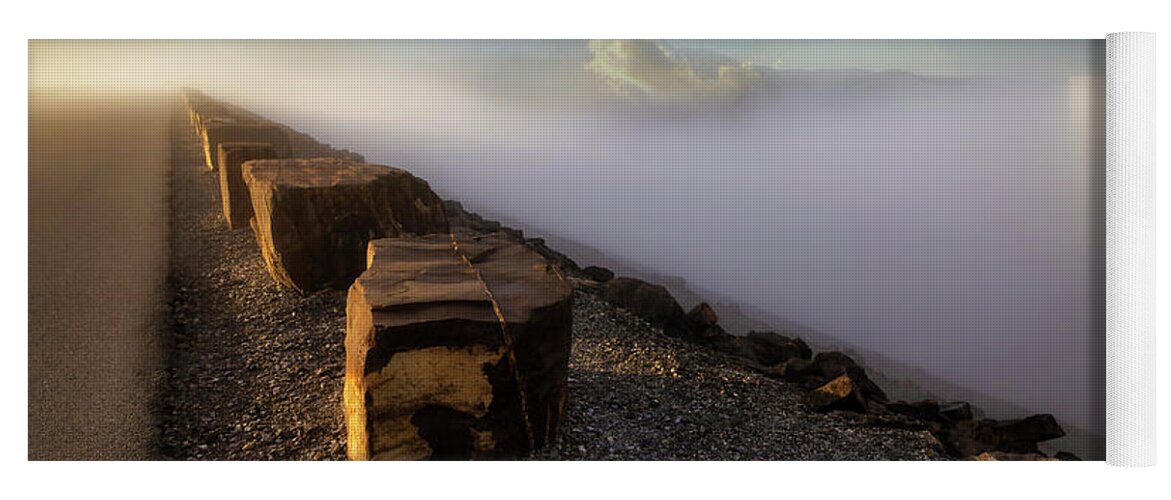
(219, 131)
(313, 217)
(455, 350)
(233, 192)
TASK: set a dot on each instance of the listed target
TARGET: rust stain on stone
(437, 376)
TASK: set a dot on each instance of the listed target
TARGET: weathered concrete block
(220, 130)
(313, 217)
(233, 192)
(455, 350)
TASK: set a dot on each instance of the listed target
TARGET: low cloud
(648, 68)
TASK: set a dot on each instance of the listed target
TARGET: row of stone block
(215, 123)
(454, 349)
(312, 217)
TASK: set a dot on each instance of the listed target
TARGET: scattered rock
(838, 394)
(650, 302)
(637, 394)
(973, 437)
(827, 366)
(702, 316)
(792, 369)
(1036, 428)
(956, 411)
(598, 274)
(314, 217)
(705, 329)
(771, 349)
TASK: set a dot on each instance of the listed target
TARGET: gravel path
(257, 370)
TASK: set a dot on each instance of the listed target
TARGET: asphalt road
(98, 169)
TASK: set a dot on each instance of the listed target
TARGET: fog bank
(950, 222)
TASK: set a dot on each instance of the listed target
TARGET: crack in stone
(509, 348)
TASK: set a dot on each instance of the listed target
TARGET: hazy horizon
(939, 202)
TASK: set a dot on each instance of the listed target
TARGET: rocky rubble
(973, 437)
(650, 302)
(638, 394)
(834, 381)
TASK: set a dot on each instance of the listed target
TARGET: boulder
(220, 131)
(973, 437)
(652, 303)
(703, 316)
(233, 192)
(827, 366)
(314, 217)
(1032, 429)
(598, 274)
(705, 328)
(840, 393)
(455, 350)
(472, 224)
(559, 259)
(792, 369)
(955, 411)
(771, 349)
(939, 418)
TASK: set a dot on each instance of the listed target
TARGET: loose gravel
(636, 394)
(255, 370)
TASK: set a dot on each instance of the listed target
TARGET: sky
(944, 58)
(935, 202)
(167, 63)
